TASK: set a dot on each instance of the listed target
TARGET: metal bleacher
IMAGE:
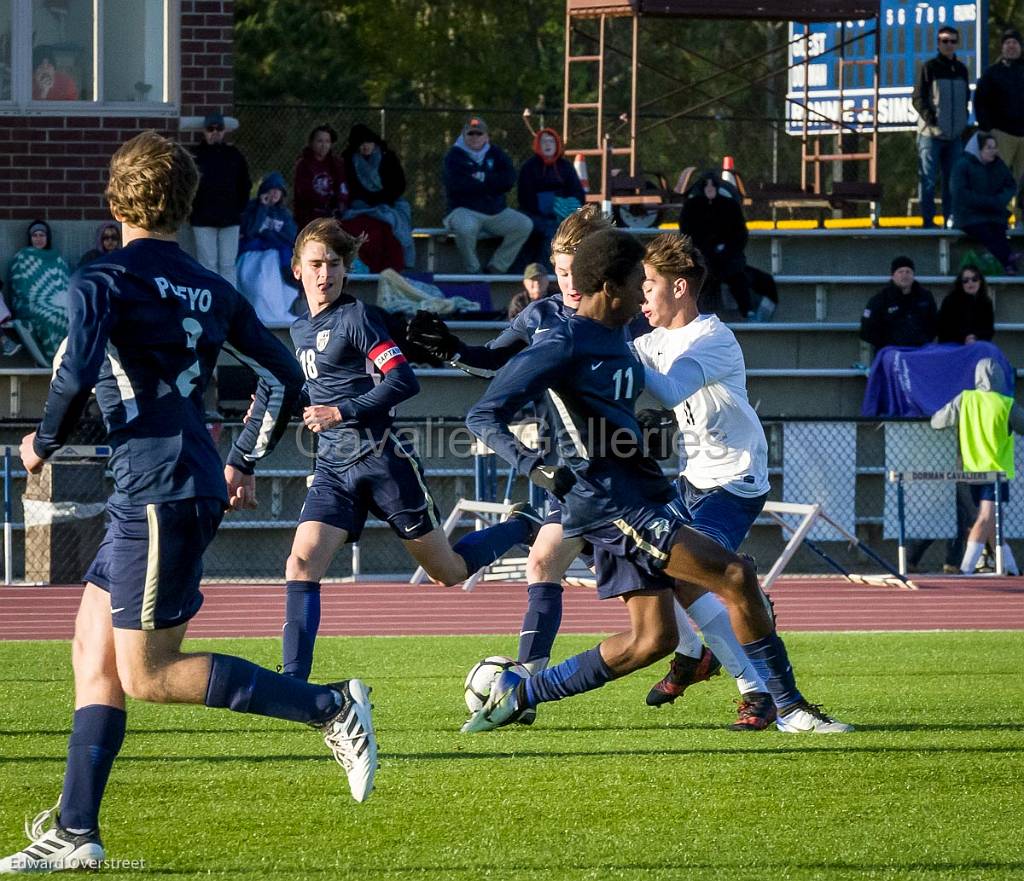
(809, 362)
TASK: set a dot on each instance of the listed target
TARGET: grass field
(931, 785)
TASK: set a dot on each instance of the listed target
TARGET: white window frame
(21, 70)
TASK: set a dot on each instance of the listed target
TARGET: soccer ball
(480, 679)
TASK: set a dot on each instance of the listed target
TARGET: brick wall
(55, 166)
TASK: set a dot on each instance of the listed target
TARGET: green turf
(930, 786)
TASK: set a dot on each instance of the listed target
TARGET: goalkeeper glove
(429, 332)
(657, 428)
(556, 479)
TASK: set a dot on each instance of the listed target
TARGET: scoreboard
(908, 32)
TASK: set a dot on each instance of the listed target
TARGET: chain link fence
(56, 521)
(272, 136)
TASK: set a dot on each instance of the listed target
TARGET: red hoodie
(320, 189)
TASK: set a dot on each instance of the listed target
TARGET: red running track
(396, 609)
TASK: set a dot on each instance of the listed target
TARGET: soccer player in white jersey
(694, 365)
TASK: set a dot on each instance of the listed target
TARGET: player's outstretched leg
(451, 565)
(651, 636)
(697, 559)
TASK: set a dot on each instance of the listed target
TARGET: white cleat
(53, 849)
(349, 734)
(805, 718)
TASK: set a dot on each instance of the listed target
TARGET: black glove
(430, 333)
(556, 479)
(657, 428)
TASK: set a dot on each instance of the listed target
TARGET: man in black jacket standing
(940, 99)
(999, 105)
(903, 313)
(224, 185)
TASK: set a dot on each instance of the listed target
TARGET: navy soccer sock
(580, 673)
(541, 621)
(483, 547)
(244, 687)
(768, 657)
(301, 622)
(97, 732)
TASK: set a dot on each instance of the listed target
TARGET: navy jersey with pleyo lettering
(145, 327)
(594, 380)
(350, 362)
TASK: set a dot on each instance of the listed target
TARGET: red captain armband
(386, 356)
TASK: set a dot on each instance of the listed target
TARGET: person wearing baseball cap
(535, 287)
(903, 313)
(999, 105)
(224, 185)
(477, 175)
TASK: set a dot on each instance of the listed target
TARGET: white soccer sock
(710, 615)
(689, 643)
(1009, 563)
(971, 556)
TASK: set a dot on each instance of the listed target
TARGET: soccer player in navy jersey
(615, 497)
(551, 553)
(362, 465)
(146, 324)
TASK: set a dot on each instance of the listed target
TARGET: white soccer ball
(480, 679)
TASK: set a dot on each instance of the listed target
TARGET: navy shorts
(151, 560)
(722, 516)
(390, 486)
(554, 514)
(986, 492)
(631, 552)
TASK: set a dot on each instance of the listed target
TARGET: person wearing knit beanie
(999, 106)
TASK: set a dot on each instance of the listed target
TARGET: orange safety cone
(729, 170)
(580, 164)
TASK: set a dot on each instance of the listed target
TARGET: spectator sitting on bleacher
(535, 286)
(8, 345)
(713, 218)
(549, 191)
(966, 314)
(320, 186)
(268, 235)
(108, 238)
(39, 289)
(903, 313)
(477, 175)
(376, 183)
(982, 188)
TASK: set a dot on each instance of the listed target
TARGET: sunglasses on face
(948, 40)
(110, 238)
(474, 134)
(215, 128)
